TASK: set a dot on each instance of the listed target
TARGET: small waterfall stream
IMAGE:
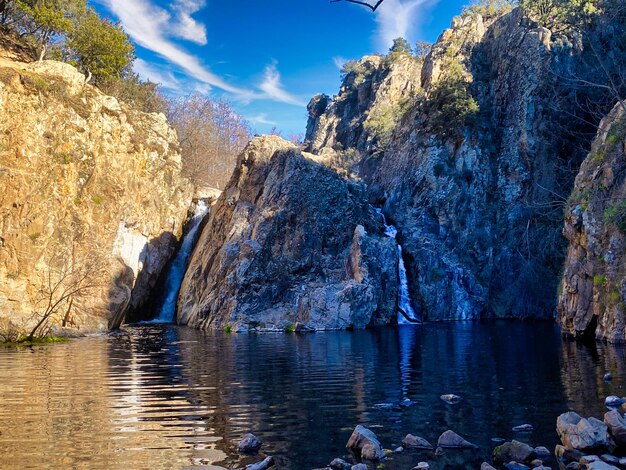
(179, 266)
(404, 302)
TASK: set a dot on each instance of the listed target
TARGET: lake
(160, 396)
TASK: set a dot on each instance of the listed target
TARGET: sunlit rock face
(290, 241)
(593, 291)
(91, 196)
(478, 205)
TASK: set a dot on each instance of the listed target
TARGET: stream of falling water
(179, 266)
(404, 301)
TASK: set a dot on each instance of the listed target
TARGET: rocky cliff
(476, 167)
(91, 201)
(593, 291)
(290, 241)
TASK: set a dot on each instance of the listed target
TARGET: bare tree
(211, 136)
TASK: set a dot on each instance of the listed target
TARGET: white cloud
(272, 88)
(147, 71)
(261, 119)
(399, 18)
(186, 27)
(339, 61)
(145, 23)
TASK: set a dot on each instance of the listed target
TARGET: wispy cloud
(186, 27)
(148, 72)
(399, 18)
(339, 61)
(272, 87)
(261, 119)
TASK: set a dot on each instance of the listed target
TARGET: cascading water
(179, 265)
(404, 301)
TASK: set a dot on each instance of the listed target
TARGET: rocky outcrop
(359, 120)
(473, 170)
(593, 293)
(91, 201)
(290, 241)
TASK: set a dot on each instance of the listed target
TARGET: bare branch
(358, 2)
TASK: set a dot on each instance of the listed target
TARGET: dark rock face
(290, 241)
(593, 291)
(475, 205)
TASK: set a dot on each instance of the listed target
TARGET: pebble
(451, 399)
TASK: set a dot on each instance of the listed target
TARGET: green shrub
(228, 329)
(489, 8)
(382, 120)
(616, 214)
(96, 200)
(599, 280)
(355, 68)
(290, 328)
(562, 15)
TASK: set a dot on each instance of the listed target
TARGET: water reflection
(164, 397)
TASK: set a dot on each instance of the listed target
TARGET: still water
(166, 397)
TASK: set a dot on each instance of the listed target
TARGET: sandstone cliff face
(290, 241)
(593, 291)
(91, 195)
(475, 204)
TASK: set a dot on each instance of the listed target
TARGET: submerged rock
(263, 465)
(580, 433)
(451, 399)
(364, 443)
(249, 444)
(523, 428)
(613, 401)
(514, 450)
(451, 440)
(290, 241)
(416, 442)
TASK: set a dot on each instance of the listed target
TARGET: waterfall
(404, 301)
(179, 266)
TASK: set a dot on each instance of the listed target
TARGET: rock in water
(290, 241)
(249, 444)
(513, 451)
(365, 444)
(340, 464)
(581, 434)
(613, 401)
(451, 440)
(451, 399)
(416, 442)
(617, 427)
(608, 377)
(486, 466)
(523, 428)
(263, 465)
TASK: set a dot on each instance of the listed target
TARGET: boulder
(451, 440)
(364, 443)
(515, 466)
(600, 465)
(249, 444)
(262, 465)
(613, 402)
(617, 427)
(580, 433)
(339, 464)
(513, 451)
(542, 452)
(359, 466)
(416, 442)
(567, 454)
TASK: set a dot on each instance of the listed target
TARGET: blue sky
(267, 57)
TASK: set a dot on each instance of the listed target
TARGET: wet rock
(523, 428)
(513, 451)
(249, 444)
(399, 449)
(416, 442)
(384, 406)
(608, 458)
(439, 452)
(451, 440)
(422, 466)
(567, 454)
(622, 462)
(542, 452)
(498, 440)
(573, 466)
(580, 433)
(537, 463)
(339, 464)
(613, 402)
(486, 466)
(608, 377)
(359, 466)
(406, 403)
(451, 399)
(600, 465)
(364, 443)
(587, 459)
(516, 466)
(262, 465)
(617, 427)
